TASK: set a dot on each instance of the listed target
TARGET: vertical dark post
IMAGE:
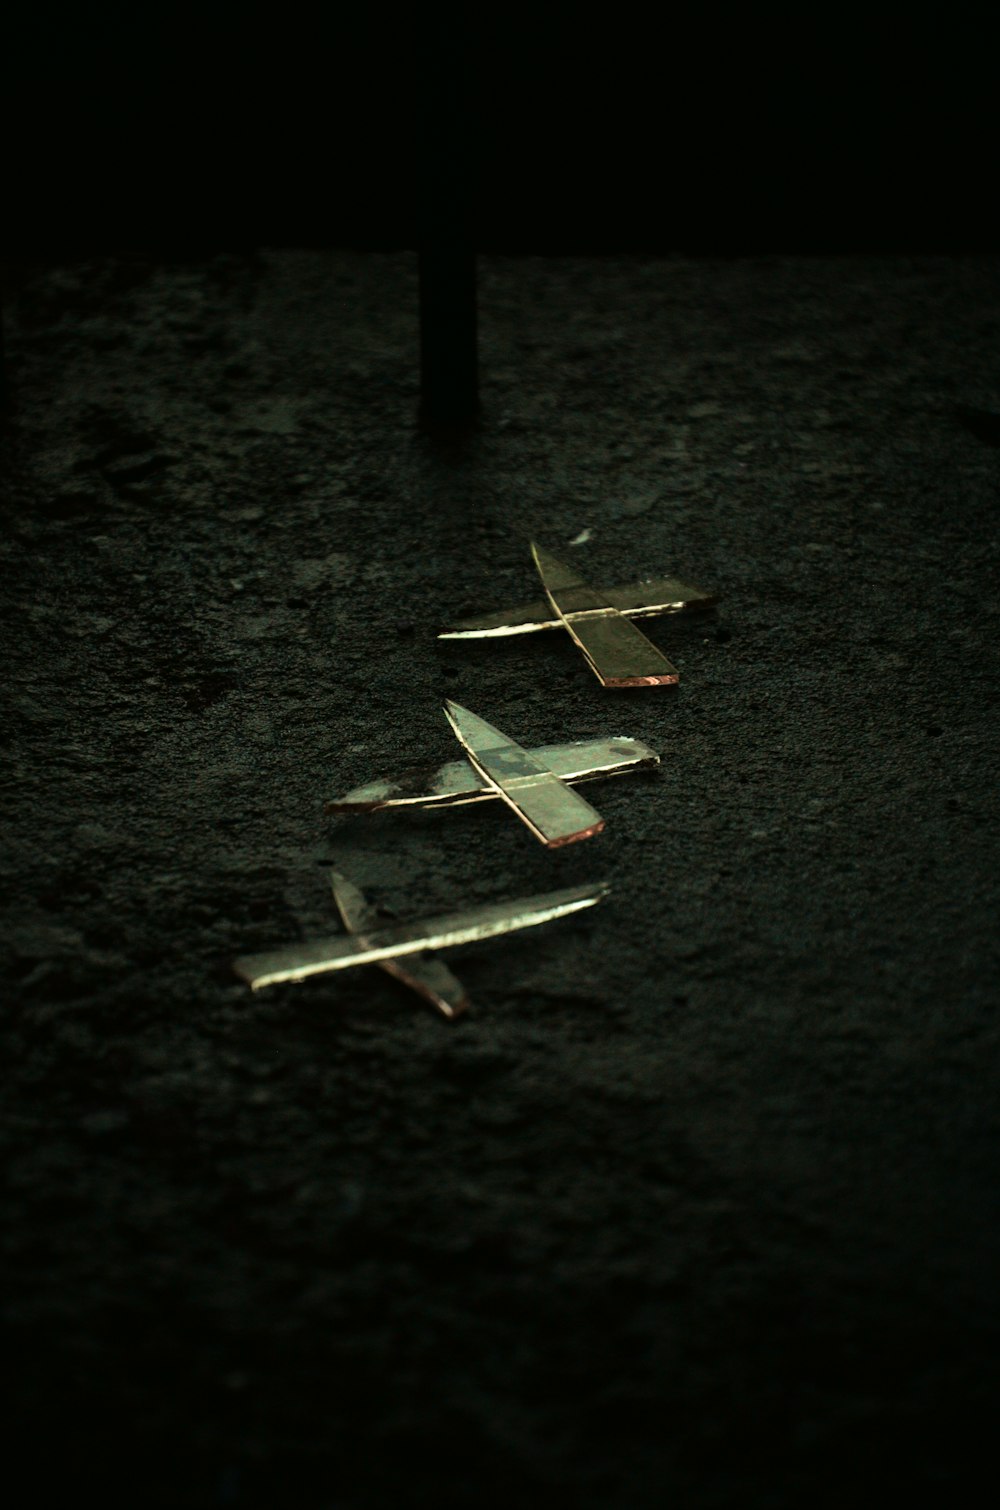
(445, 190)
(4, 395)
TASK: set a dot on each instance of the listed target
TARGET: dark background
(717, 128)
(698, 1204)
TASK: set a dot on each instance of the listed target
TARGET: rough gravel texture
(698, 1204)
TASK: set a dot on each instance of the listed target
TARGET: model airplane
(617, 652)
(535, 783)
(458, 782)
(399, 947)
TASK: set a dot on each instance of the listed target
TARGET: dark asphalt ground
(697, 1206)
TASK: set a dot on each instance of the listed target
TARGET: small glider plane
(600, 624)
(536, 783)
(399, 947)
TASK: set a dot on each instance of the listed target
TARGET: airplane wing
(619, 654)
(429, 977)
(316, 956)
(554, 813)
(637, 600)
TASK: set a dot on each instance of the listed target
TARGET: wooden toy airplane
(398, 948)
(536, 783)
(616, 651)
